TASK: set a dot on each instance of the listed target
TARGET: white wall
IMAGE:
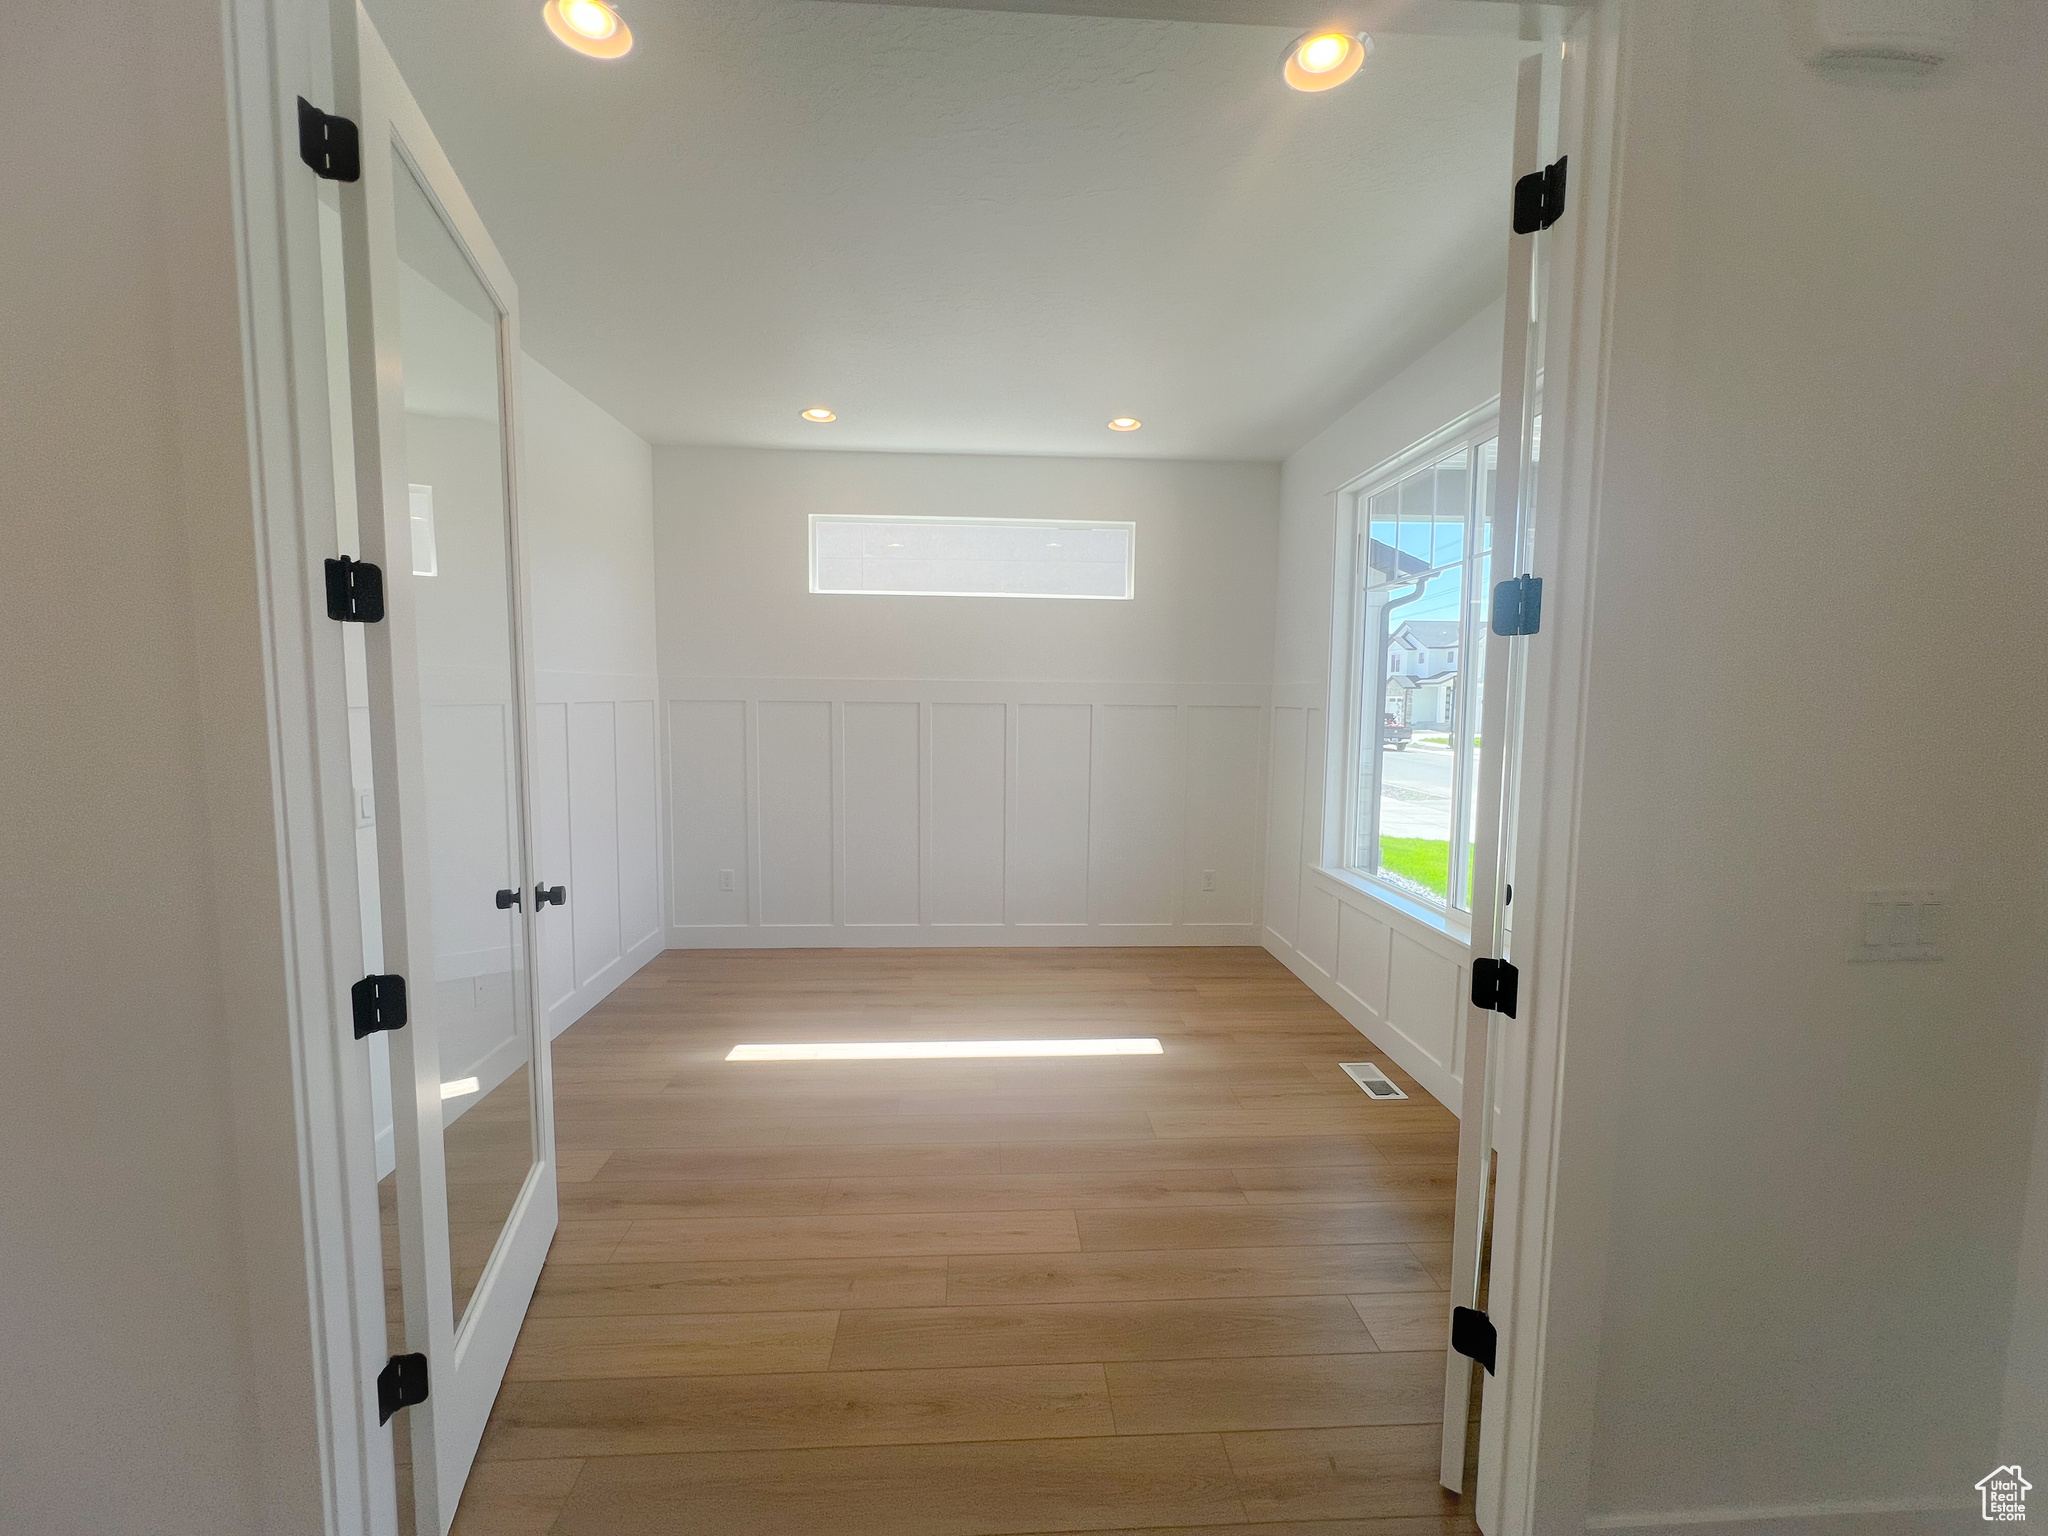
(2024, 1437)
(154, 1331)
(1398, 977)
(587, 500)
(897, 770)
(1801, 1181)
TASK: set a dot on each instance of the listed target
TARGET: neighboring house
(1422, 672)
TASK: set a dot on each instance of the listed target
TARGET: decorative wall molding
(1397, 980)
(850, 812)
(597, 810)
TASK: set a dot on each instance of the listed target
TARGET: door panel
(1508, 483)
(432, 340)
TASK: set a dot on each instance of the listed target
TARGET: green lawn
(1425, 860)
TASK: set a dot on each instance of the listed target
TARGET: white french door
(433, 347)
(1512, 519)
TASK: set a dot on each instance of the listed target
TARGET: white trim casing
(1537, 1418)
(275, 52)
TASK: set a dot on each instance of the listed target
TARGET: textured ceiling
(969, 231)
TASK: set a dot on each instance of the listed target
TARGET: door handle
(508, 899)
(549, 895)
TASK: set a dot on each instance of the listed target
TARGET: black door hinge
(355, 591)
(1518, 606)
(329, 144)
(549, 895)
(1539, 198)
(378, 1003)
(1494, 983)
(1474, 1336)
(401, 1384)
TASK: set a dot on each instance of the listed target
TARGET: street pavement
(1415, 791)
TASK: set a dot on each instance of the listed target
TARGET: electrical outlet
(725, 879)
(1208, 879)
(1901, 925)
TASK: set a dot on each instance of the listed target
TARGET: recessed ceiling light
(1125, 424)
(1324, 59)
(819, 413)
(590, 27)
(909, 1050)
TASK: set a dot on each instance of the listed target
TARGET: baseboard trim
(606, 981)
(965, 936)
(1407, 1055)
(1830, 1517)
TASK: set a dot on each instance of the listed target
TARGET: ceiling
(969, 231)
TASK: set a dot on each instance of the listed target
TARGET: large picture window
(1420, 611)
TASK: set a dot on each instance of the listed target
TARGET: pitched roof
(1436, 634)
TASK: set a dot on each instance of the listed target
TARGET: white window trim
(1129, 593)
(1347, 613)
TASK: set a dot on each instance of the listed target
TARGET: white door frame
(276, 51)
(1546, 1277)
(1546, 1267)
(1497, 760)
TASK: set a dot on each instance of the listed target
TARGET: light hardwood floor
(1131, 1295)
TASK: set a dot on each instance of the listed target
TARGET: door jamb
(274, 52)
(1547, 1271)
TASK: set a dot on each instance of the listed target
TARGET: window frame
(1352, 679)
(1129, 528)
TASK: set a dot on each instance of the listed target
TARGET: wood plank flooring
(1134, 1296)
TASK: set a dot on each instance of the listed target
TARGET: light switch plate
(1904, 923)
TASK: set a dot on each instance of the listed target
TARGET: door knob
(508, 899)
(549, 895)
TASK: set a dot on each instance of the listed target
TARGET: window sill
(1412, 914)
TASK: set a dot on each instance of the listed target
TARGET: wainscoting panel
(1398, 978)
(794, 832)
(593, 909)
(640, 921)
(879, 811)
(1422, 999)
(710, 875)
(1136, 811)
(1220, 868)
(1283, 823)
(552, 860)
(597, 809)
(968, 816)
(914, 812)
(1049, 845)
(1362, 960)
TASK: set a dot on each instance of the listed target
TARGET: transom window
(1422, 538)
(971, 557)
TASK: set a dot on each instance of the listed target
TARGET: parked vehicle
(1394, 734)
